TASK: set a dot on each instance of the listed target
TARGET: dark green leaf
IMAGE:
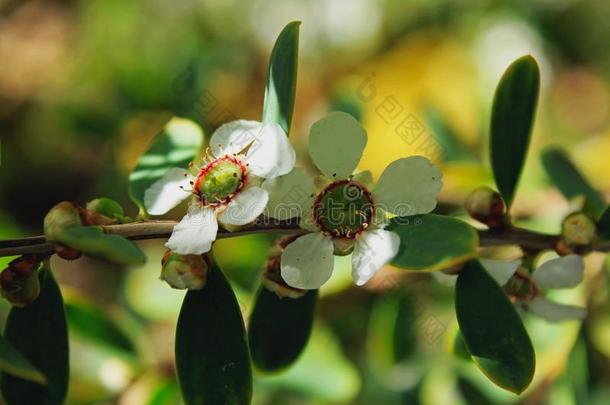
(512, 118)
(433, 242)
(603, 223)
(282, 77)
(568, 179)
(279, 328)
(176, 146)
(492, 330)
(89, 322)
(92, 241)
(212, 356)
(13, 363)
(40, 333)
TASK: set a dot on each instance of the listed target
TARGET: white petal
(500, 270)
(555, 312)
(270, 153)
(372, 251)
(245, 207)
(336, 143)
(195, 233)
(165, 193)
(289, 195)
(307, 263)
(409, 186)
(562, 272)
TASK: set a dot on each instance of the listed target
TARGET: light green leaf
(89, 322)
(92, 241)
(279, 328)
(568, 179)
(492, 330)
(39, 332)
(282, 77)
(13, 363)
(212, 356)
(177, 145)
(433, 242)
(512, 118)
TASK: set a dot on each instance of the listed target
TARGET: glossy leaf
(433, 242)
(12, 362)
(568, 179)
(212, 357)
(177, 145)
(279, 328)
(512, 118)
(492, 330)
(603, 223)
(282, 77)
(92, 241)
(92, 324)
(40, 333)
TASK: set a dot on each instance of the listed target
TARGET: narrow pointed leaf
(512, 118)
(282, 77)
(568, 179)
(212, 357)
(177, 145)
(279, 328)
(433, 242)
(492, 330)
(14, 363)
(603, 223)
(40, 333)
(92, 241)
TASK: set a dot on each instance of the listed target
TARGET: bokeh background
(86, 84)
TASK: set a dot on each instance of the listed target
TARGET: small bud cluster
(271, 276)
(486, 206)
(184, 271)
(19, 281)
(578, 232)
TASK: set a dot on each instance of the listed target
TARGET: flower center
(218, 181)
(343, 209)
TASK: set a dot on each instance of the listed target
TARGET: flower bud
(486, 206)
(19, 282)
(62, 216)
(104, 211)
(521, 287)
(271, 276)
(577, 232)
(184, 271)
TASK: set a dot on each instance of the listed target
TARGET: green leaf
(13, 363)
(177, 145)
(568, 179)
(212, 356)
(282, 77)
(40, 333)
(453, 147)
(279, 328)
(603, 223)
(512, 117)
(433, 242)
(92, 241)
(89, 322)
(492, 330)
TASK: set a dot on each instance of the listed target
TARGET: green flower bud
(184, 271)
(19, 283)
(577, 233)
(486, 206)
(62, 216)
(104, 211)
(271, 277)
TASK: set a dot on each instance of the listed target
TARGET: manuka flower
(343, 211)
(226, 188)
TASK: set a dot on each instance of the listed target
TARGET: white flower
(344, 212)
(557, 273)
(226, 188)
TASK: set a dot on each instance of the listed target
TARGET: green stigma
(343, 209)
(219, 180)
